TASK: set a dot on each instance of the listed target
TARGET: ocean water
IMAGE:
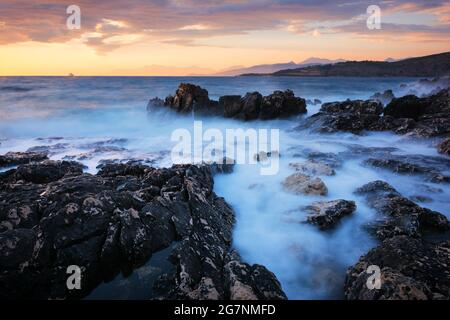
(90, 119)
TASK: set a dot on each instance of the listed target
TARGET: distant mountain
(271, 68)
(428, 66)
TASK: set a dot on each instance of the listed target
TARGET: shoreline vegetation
(428, 66)
(54, 214)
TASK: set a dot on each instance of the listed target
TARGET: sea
(94, 120)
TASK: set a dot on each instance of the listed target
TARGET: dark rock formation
(252, 106)
(444, 147)
(327, 214)
(52, 216)
(424, 117)
(411, 269)
(281, 105)
(432, 168)
(408, 106)
(16, 158)
(351, 116)
(188, 97)
(399, 215)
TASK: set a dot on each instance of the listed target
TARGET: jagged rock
(231, 105)
(299, 183)
(282, 105)
(245, 282)
(47, 171)
(252, 106)
(188, 97)
(155, 102)
(411, 269)
(406, 107)
(399, 215)
(430, 167)
(444, 147)
(313, 168)
(424, 117)
(353, 106)
(327, 214)
(16, 158)
(351, 115)
(384, 97)
(52, 215)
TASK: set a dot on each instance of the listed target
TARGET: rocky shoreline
(53, 215)
(190, 98)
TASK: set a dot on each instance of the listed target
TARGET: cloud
(107, 25)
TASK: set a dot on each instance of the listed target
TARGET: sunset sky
(182, 37)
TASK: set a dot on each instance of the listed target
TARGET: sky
(187, 37)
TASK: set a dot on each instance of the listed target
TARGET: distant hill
(428, 66)
(271, 68)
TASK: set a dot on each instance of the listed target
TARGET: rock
(189, 97)
(155, 102)
(430, 167)
(282, 105)
(245, 282)
(225, 166)
(353, 106)
(331, 159)
(231, 105)
(299, 183)
(399, 215)
(16, 158)
(313, 168)
(423, 117)
(327, 214)
(406, 107)
(47, 171)
(444, 147)
(384, 97)
(411, 269)
(52, 215)
(351, 116)
(252, 106)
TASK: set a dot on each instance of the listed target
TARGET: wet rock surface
(112, 222)
(16, 158)
(433, 169)
(410, 269)
(424, 117)
(302, 184)
(444, 147)
(399, 215)
(313, 167)
(327, 215)
(191, 98)
(412, 260)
